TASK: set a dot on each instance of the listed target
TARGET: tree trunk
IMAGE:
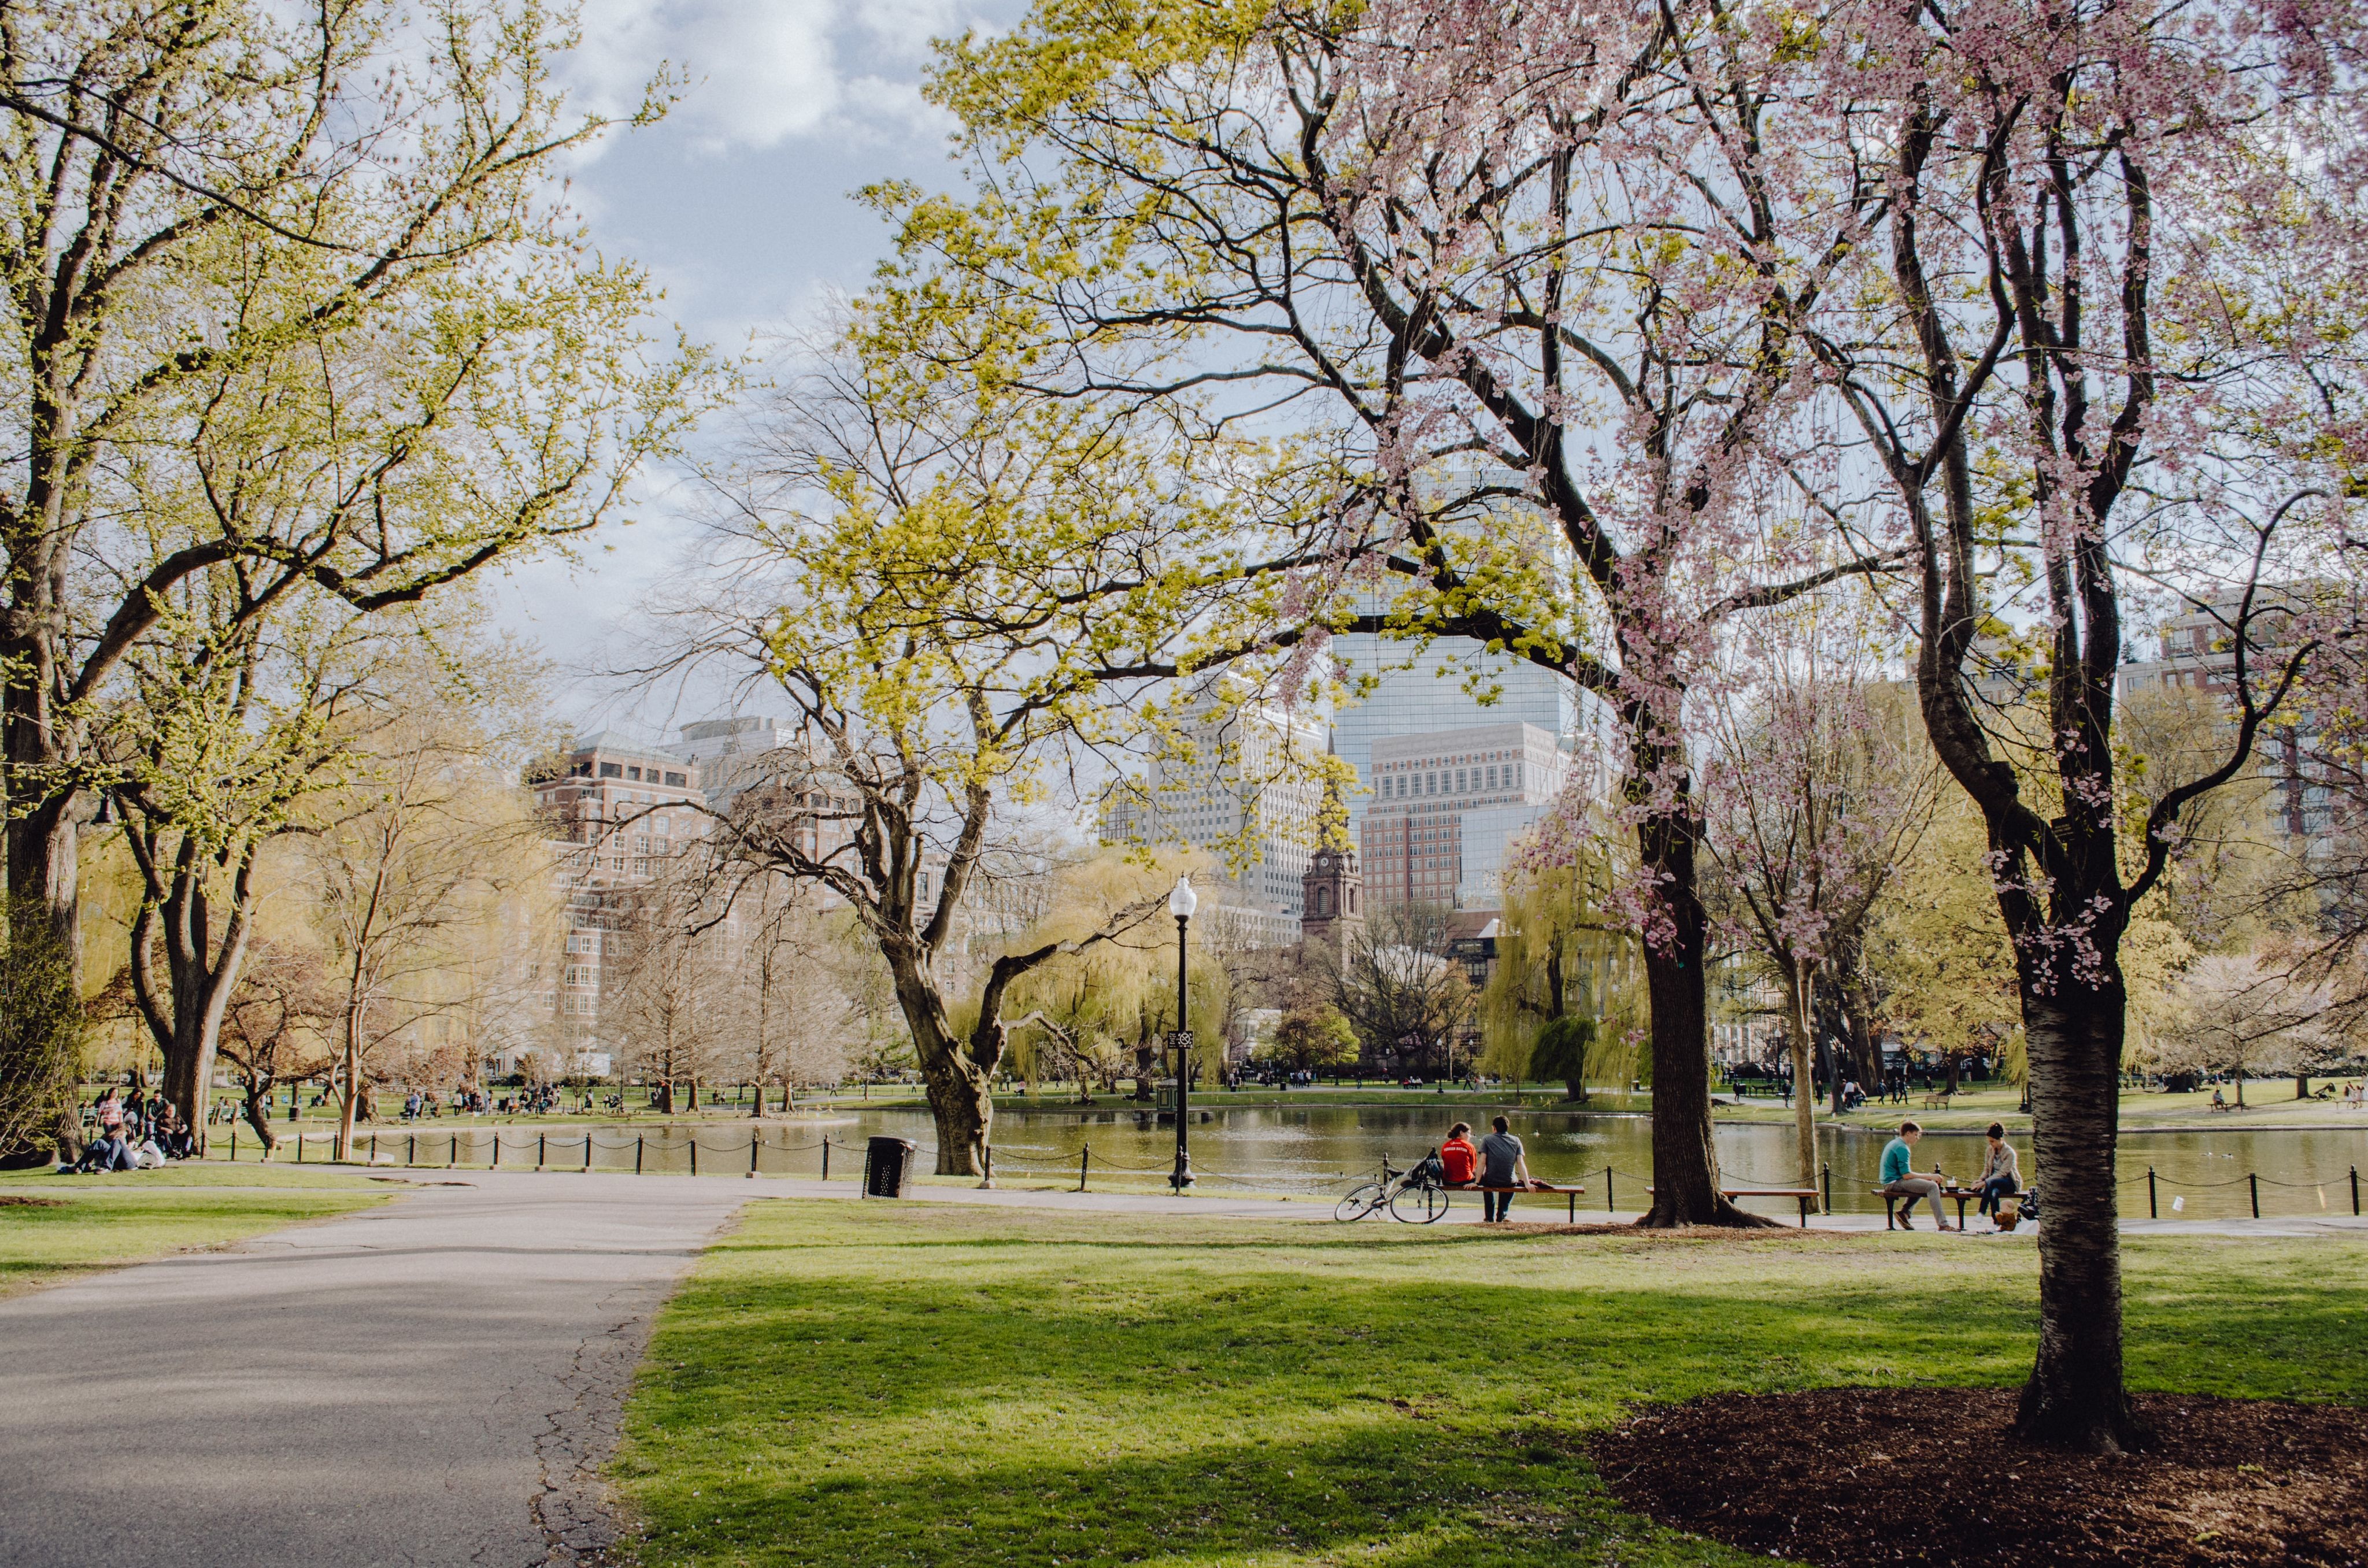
(955, 1081)
(1798, 979)
(351, 1094)
(2074, 1397)
(759, 1100)
(666, 1097)
(258, 1116)
(184, 1013)
(963, 1110)
(2301, 1086)
(1685, 1163)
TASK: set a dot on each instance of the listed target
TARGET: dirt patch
(19, 1200)
(1860, 1476)
(1681, 1233)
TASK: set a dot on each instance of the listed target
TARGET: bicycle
(1416, 1197)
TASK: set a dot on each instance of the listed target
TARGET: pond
(1322, 1149)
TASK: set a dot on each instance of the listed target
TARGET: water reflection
(1320, 1148)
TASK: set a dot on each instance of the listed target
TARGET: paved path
(435, 1382)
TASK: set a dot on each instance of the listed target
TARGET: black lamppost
(1181, 903)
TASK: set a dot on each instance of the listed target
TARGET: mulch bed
(19, 1200)
(1780, 1233)
(1855, 1476)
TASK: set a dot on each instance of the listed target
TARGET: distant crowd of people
(120, 1133)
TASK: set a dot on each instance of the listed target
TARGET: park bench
(1803, 1196)
(1570, 1193)
(1937, 1100)
(1962, 1196)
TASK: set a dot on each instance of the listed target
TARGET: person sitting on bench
(1900, 1180)
(1506, 1165)
(1457, 1158)
(2001, 1175)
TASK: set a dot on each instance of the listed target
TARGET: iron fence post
(2253, 1178)
(2152, 1212)
(1086, 1155)
(637, 1152)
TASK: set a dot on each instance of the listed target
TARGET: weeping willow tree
(41, 1028)
(1564, 952)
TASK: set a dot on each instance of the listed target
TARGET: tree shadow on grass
(1057, 1396)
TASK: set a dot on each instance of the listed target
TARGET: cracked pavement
(436, 1382)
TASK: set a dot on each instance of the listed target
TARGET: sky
(739, 205)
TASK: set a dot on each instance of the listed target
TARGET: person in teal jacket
(1900, 1180)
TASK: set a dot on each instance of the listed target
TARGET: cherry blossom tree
(1815, 794)
(1535, 288)
(2100, 353)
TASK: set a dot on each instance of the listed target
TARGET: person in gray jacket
(1503, 1163)
(2002, 1177)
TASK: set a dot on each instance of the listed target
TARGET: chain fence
(752, 1152)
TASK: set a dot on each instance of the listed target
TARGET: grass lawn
(132, 1216)
(938, 1385)
(2268, 1103)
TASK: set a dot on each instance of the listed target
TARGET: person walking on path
(1900, 1180)
(1503, 1163)
(2001, 1175)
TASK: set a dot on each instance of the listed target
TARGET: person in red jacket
(1457, 1156)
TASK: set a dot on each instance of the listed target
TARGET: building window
(611, 770)
(676, 780)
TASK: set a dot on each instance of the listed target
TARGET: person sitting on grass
(2001, 1175)
(1900, 1180)
(1505, 1165)
(107, 1152)
(1457, 1158)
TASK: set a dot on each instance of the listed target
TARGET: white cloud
(760, 71)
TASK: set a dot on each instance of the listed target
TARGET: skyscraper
(1238, 784)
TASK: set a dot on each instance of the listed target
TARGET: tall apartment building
(735, 753)
(2196, 653)
(1445, 808)
(1240, 787)
(1437, 690)
(619, 812)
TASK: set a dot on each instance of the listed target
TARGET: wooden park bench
(1893, 1219)
(1937, 1100)
(1570, 1193)
(1803, 1196)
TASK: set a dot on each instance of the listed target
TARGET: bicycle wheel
(1360, 1201)
(1419, 1205)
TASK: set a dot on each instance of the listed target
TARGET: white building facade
(1445, 808)
(1239, 783)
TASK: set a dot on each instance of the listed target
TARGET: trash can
(887, 1167)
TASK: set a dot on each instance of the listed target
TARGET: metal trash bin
(887, 1167)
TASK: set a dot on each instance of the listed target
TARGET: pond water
(1321, 1149)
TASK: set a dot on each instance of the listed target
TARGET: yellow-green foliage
(1560, 920)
